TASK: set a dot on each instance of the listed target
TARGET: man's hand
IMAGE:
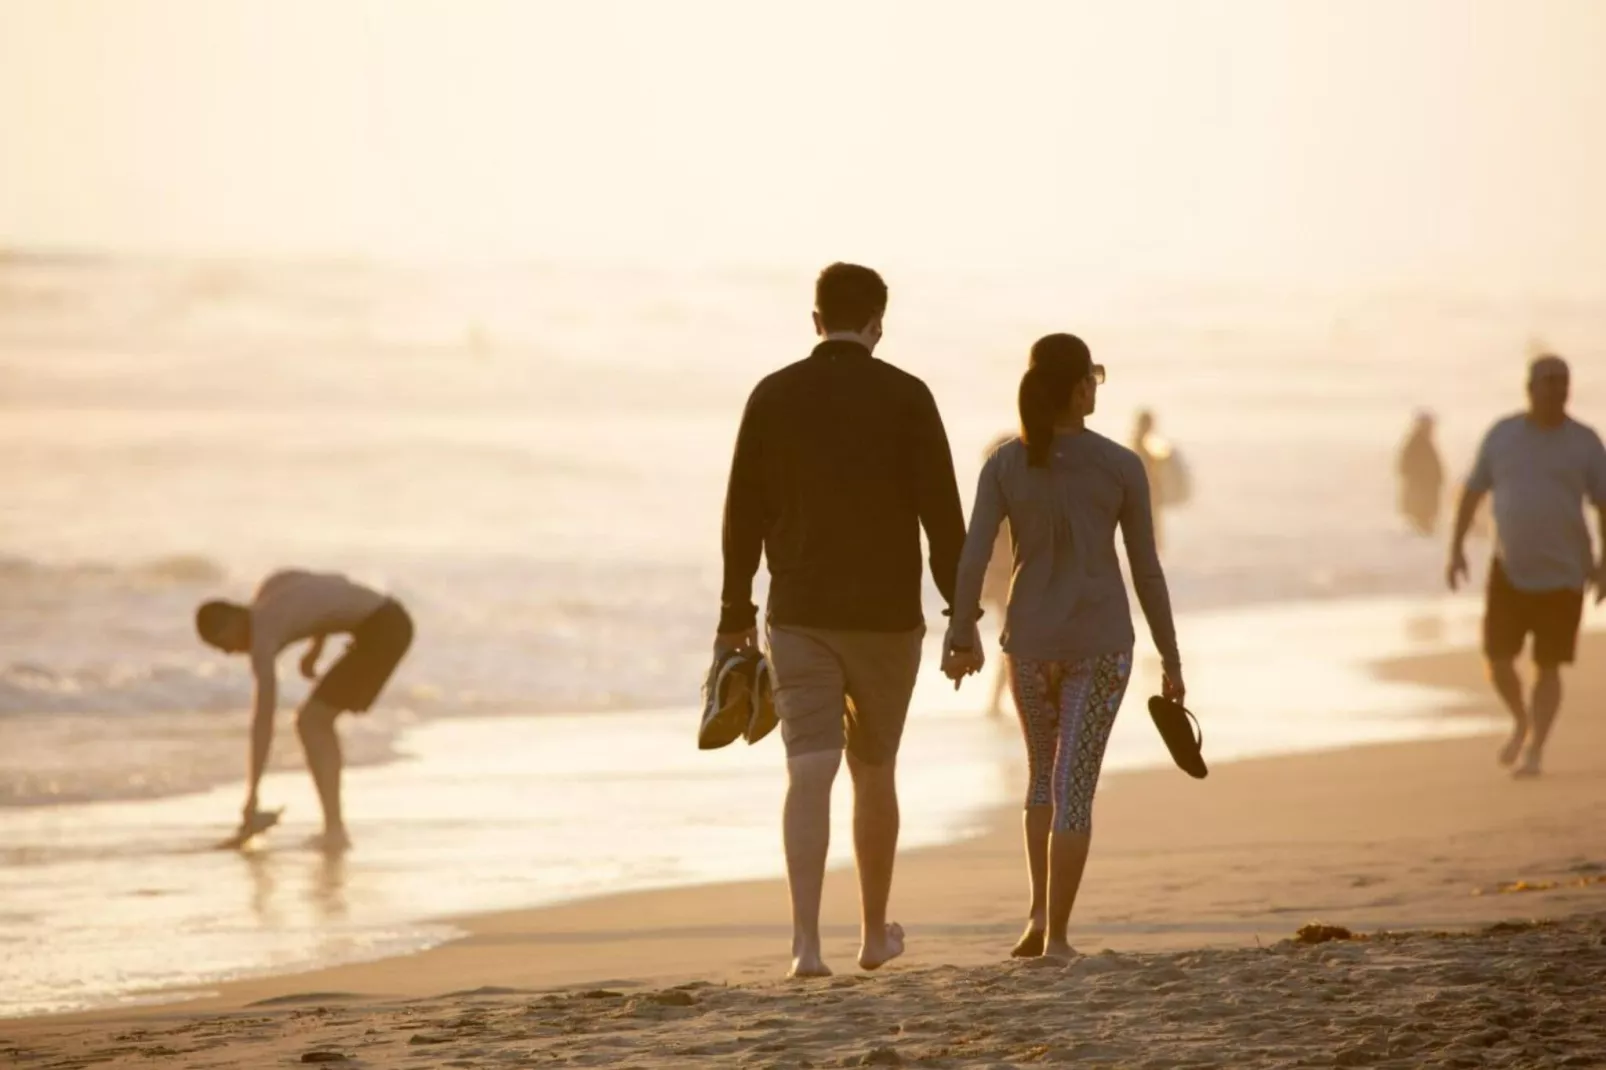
(1172, 687)
(958, 664)
(962, 655)
(729, 641)
(1457, 571)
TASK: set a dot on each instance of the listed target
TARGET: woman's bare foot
(1513, 748)
(877, 953)
(1030, 944)
(809, 965)
(1059, 951)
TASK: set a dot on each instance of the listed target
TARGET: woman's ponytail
(1040, 408)
(1058, 363)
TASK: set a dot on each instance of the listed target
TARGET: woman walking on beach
(1068, 627)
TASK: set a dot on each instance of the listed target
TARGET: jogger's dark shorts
(1510, 614)
(377, 647)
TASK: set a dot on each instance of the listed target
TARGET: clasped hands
(961, 653)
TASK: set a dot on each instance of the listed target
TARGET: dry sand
(1516, 995)
(1191, 892)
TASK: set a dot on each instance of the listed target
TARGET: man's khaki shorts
(836, 689)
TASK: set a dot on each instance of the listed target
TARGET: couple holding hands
(840, 462)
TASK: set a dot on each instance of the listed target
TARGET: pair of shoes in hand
(738, 700)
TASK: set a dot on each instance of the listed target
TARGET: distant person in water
(841, 460)
(1421, 473)
(995, 589)
(1163, 467)
(1540, 466)
(1068, 636)
(290, 607)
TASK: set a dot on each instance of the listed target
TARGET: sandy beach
(1493, 891)
(552, 322)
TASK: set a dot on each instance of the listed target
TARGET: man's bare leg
(1508, 685)
(315, 724)
(806, 829)
(1546, 705)
(1067, 855)
(875, 848)
(1037, 821)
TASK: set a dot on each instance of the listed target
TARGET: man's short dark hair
(848, 297)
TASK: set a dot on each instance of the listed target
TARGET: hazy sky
(1423, 138)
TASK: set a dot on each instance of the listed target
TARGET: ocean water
(533, 460)
(532, 810)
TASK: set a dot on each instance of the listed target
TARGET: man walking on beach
(288, 608)
(1541, 466)
(840, 460)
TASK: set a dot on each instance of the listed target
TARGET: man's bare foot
(809, 965)
(331, 842)
(1059, 951)
(877, 953)
(1030, 944)
(1513, 748)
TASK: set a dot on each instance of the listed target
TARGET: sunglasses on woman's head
(1098, 374)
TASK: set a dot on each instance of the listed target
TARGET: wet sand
(561, 808)
(1191, 890)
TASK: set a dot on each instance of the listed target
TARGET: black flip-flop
(1182, 734)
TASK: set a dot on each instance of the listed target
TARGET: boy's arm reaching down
(264, 706)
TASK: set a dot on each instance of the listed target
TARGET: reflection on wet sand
(317, 888)
(537, 808)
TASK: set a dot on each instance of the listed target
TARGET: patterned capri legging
(1066, 712)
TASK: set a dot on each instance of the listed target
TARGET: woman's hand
(1172, 688)
(958, 664)
(961, 655)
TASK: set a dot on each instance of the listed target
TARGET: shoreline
(193, 748)
(1242, 873)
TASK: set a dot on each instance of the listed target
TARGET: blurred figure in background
(1169, 483)
(1540, 466)
(1421, 474)
(291, 607)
